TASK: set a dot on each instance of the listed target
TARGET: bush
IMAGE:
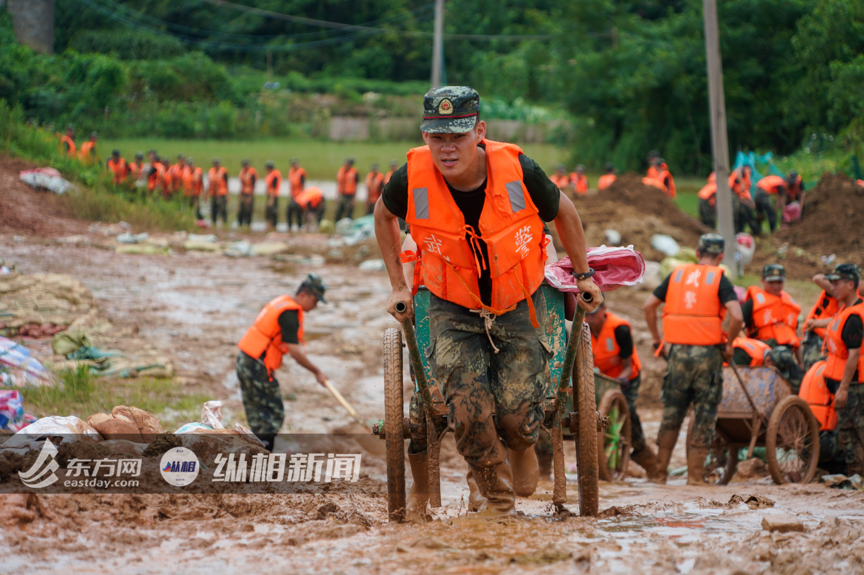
(126, 45)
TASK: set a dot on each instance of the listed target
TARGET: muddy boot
(665, 444)
(695, 465)
(475, 498)
(526, 472)
(495, 484)
(418, 499)
(645, 459)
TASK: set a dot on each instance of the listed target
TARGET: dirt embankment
(831, 224)
(26, 211)
(637, 212)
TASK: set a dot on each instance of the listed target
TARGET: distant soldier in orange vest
(87, 154)
(297, 181)
(273, 185)
(768, 191)
(394, 165)
(248, 177)
(560, 178)
(826, 306)
(136, 169)
(312, 205)
(193, 185)
(770, 314)
(119, 168)
(616, 357)
(67, 142)
(490, 354)
(697, 297)
(374, 186)
(346, 188)
(156, 175)
(277, 331)
(579, 180)
(174, 175)
(217, 188)
(608, 178)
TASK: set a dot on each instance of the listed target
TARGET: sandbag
(146, 422)
(118, 427)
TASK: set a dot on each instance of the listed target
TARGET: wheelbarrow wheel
(792, 442)
(394, 407)
(614, 441)
(585, 406)
(722, 462)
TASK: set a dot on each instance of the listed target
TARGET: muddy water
(198, 308)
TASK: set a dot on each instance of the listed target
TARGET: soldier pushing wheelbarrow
(476, 210)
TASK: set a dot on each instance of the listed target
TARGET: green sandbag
(67, 342)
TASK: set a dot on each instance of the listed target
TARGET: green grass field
(320, 159)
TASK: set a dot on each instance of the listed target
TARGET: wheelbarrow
(581, 424)
(759, 409)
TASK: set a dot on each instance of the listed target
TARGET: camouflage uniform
(811, 349)
(784, 361)
(694, 375)
(262, 398)
(487, 393)
(219, 208)
(850, 431)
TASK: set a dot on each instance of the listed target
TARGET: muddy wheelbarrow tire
(792, 442)
(584, 403)
(614, 441)
(394, 407)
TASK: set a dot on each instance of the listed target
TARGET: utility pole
(438, 44)
(719, 141)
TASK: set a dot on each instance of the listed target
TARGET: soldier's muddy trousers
(694, 376)
(490, 394)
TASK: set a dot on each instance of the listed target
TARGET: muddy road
(197, 308)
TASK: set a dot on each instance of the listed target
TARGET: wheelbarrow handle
(416, 361)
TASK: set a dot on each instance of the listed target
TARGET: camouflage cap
(845, 272)
(450, 110)
(712, 243)
(139, 155)
(315, 284)
(115, 152)
(269, 164)
(244, 162)
(217, 160)
(774, 272)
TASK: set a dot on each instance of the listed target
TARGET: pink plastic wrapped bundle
(792, 213)
(613, 268)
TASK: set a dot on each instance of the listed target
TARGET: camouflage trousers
(345, 207)
(811, 349)
(694, 376)
(495, 399)
(850, 431)
(271, 210)
(245, 209)
(262, 398)
(219, 208)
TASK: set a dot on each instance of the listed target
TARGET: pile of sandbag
(130, 423)
(41, 305)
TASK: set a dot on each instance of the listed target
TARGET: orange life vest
(387, 177)
(247, 185)
(652, 173)
(119, 169)
(197, 176)
(216, 184)
(606, 349)
(273, 181)
(708, 193)
(64, 139)
(818, 397)
(561, 181)
(509, 224)
(186, 181)
(774, 317)
(834, 347)
(86, 154)
(605, 181)
(754, 348)
(296, 177)
(794, 190)
(771, 184)
(693, 314)
(668, 182)
(346, 181)
(175, 175)
(580, 183)
(826, 306)
(374, 185)
(310, 197)
(156, 177)
(266, 335)
(655, 182)
(135, 170)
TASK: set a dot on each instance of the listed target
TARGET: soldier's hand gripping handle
(401, 305)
